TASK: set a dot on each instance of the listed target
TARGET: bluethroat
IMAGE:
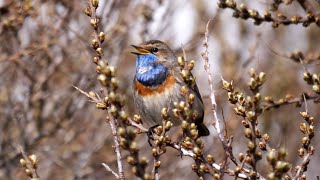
(157, 84)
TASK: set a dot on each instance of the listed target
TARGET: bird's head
(156, 48)
(154, 60)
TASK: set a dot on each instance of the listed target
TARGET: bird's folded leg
(180, 145)
(150, 134)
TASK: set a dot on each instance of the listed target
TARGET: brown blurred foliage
(45, 50)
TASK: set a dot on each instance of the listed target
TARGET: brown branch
(190, 153)
(183, 151)
(298, 100)
(218, 124)
(113, 126)
(303, 165)
(96, 44)
(306, 158)
(244, 13)
(97, 100)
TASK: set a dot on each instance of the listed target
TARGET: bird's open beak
(140, 50)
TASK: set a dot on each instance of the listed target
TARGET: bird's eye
(154, 50)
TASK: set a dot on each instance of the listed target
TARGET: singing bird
(157, 84)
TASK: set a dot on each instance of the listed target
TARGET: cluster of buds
(313, 80)
(18, 12)
(99, 35)
(244, 13)
(113, 101)
(307, 128)
(186, 68)
(249, 108)
(246, 159)
(30, 163)
(256, 80)
(126, 141)
(183, 110)
(279, 166)
(161, 140)
(246, 106)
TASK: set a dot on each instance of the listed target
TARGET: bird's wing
(195, 89)
(198, 103)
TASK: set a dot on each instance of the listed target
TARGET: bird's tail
(202, 129)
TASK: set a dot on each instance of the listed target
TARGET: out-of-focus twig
(307, 6)
(294, 100)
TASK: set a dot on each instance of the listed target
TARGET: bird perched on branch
(157, 84)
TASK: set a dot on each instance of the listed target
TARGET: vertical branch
(218, 124)
(117, 146)
(96, 43)
(156, 166)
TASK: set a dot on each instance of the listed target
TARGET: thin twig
(113, 126)
(29, 166)
(295, 100)
(303, 165)
(306, 158)
(218, 124)
(156, 169)
(110, 170)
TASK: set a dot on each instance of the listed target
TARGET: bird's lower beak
(140, 50)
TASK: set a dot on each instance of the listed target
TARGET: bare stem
(295, 100)
(218, 124)
(113, 126)
(303, 165)
(110, 170)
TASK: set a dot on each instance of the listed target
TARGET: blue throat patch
(148, 73)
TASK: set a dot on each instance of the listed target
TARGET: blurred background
(45, 50)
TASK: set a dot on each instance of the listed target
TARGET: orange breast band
(148, 91)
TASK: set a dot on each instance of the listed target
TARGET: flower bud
(181, 61)
(95, 3)
(272, 156)
(248, 133)
(23, 163)
(95, 44)
(101, 37)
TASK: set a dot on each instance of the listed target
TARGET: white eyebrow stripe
(144, 69)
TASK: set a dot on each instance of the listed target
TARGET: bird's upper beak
(140, 50)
